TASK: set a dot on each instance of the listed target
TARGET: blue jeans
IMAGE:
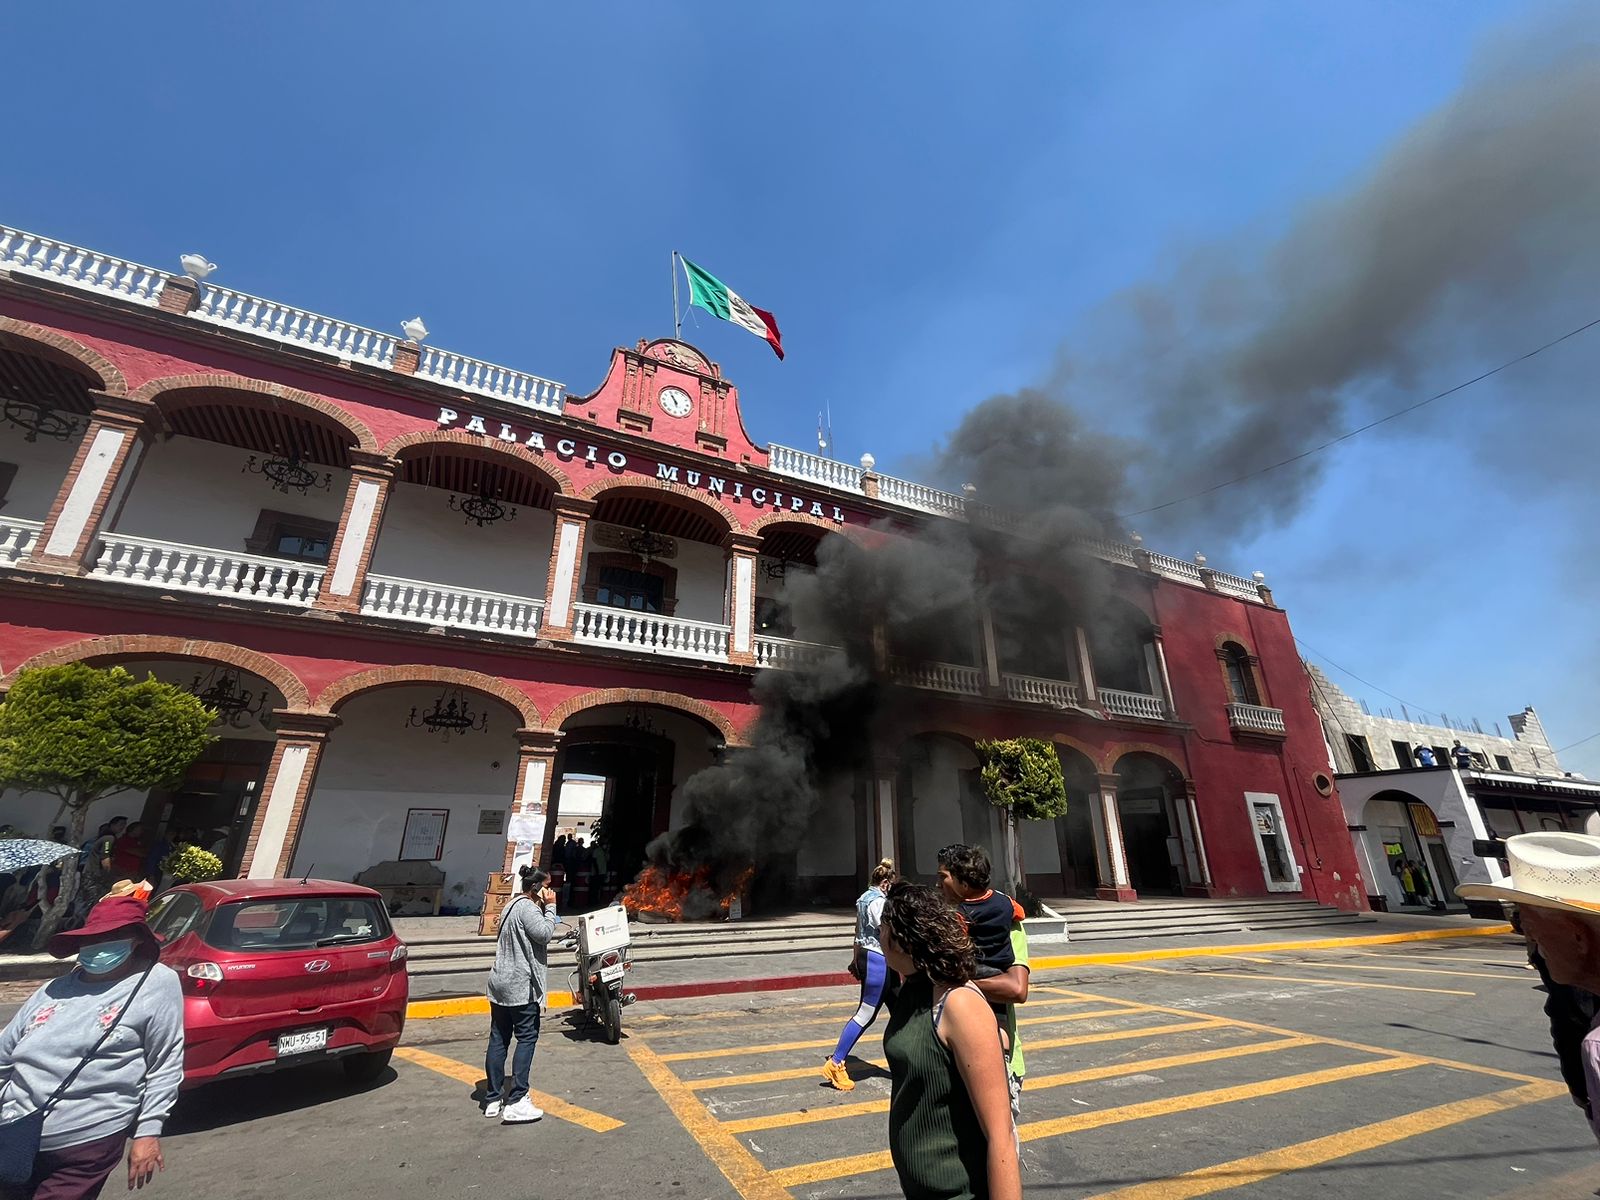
(506, 1021)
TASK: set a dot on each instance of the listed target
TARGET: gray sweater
(133, 1080)
(518, 976)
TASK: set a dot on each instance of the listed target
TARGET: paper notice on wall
(526, 827)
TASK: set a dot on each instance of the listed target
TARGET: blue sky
(938, 201)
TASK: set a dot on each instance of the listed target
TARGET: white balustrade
(650, 633)
(1133, 704)
(786, 653)
(285, 323)
(939, 677)
(1031, 689)
(47, 258)
(176, 567)
(17, 536)
(920, 495)
(1176, 568)
(1253, 718)
(487, 379)
(1234, 585)
(1116, 552)
(445, 604)
(799, 464)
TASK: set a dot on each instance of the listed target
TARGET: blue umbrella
(18, 854)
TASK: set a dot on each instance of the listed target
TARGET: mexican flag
(717, 298)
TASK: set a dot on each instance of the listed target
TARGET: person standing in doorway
(516, 996)
(869, 967)
(1424, 756)
(1462, 756)
(1408, 882)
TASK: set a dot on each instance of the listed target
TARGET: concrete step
(1134, 935)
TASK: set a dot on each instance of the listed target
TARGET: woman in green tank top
(950, 1131)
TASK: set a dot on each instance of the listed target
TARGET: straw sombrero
(1549, 870)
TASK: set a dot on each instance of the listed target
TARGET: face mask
(105, 957)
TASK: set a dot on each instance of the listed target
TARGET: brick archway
(28, 338)
(710, 506)
(487, 448)
(354, 426)
(136, 646)
(762, 523)
(347, 687)
(571, 707)
(1112, 757)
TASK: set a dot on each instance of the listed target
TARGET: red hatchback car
(283, 972)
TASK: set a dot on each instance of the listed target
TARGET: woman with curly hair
(950, 1131)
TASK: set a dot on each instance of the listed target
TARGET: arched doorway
(940, 800)
(415, 773)
(45, 402)
(1068, 840)
(639, 755)
(1150, 804)
(214, 805)
(1405, 844)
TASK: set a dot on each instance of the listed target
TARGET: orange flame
(664, 894)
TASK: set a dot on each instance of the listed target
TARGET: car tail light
(203, 977)
(400, 954)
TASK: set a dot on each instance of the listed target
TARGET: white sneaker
(521, 1113)
(492, 1110)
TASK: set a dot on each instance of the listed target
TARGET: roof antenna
(304, 879)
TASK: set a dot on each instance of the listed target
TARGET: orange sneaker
(837, 1077)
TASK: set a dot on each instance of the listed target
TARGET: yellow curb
(472, 1006)
(1376, 939)
(475, 1006)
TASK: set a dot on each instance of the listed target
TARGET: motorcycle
(600, 941)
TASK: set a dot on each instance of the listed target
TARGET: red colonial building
(422, 590)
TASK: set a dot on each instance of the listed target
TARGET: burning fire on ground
(683, 895)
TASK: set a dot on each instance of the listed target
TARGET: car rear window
(298, 923)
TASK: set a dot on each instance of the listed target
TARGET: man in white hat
(1555, 884)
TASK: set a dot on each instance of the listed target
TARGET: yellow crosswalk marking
(1257, 1167)
(1337, 966)
(1034, 1084)
(860, 1164)
(738, 1166)
(1347, 983)
(554, 1106)
(1032, 1045)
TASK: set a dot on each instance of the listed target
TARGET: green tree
(80, 733)
(1023, 777)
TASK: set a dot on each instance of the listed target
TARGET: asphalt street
(1420, 1070)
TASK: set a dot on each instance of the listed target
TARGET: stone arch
(348, 686)
(700, 500)
(489, 447)
(133, 646)
(599, 698)
(27, 337)
(154, 389)
(760, 524)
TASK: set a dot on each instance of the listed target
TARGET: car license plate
(305, 1042)
(611, 973)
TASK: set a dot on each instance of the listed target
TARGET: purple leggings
(874, 981)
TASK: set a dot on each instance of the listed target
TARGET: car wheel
(365, 1068)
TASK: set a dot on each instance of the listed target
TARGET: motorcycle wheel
(614, 1019)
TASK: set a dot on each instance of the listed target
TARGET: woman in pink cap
(93, 1059)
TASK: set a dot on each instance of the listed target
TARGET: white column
(1116, 855)
(1164, 681)
(1080, 640)
(566, 557)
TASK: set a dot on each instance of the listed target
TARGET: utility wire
(1579, 742)
(1346, 670)
(1344, 437)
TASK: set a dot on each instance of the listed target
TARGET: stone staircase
(1092, 921)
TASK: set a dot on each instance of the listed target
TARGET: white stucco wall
(829, 846)
(1041, 854)
(374, 769)
(423, 538)
(939, 813)
(198, 493)
(1441, 790)
(41, 469)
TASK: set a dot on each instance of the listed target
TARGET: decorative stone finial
(1258, 576)
(196, 267)
(1199, 559)
(414, 329)
(868, 462)
(969, 490)
(1136, 538)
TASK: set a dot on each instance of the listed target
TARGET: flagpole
(677, 322)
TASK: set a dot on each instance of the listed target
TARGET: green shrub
(1023, 776)
(190, 864)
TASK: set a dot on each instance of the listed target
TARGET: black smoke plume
(1473, 236)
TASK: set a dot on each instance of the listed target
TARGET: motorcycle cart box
(602, 930)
